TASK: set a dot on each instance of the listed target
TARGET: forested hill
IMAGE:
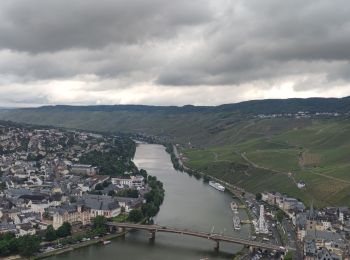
(266, 106)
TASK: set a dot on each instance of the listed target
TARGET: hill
(200, 125)
(259, 145)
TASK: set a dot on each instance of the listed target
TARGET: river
(189, 203)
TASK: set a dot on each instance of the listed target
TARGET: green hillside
(318, 154)
(234, 143)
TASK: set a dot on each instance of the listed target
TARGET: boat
(216, 185)
(234, 207)
(236, 222)
(106, 242)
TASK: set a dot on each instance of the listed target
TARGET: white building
(262, 223)
(136, 181)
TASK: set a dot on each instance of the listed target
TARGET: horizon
(177, 106)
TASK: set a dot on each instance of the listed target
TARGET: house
(6, 227)
(129, 203)
(25, 229)
(301, 185)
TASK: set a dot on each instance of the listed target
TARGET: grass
(123, 217)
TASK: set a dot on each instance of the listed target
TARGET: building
(136, 181)
(301, 185)
(262, 223)
(100, 205)
(84, 169)
(122, 180)
(331, 241)
(71, 214)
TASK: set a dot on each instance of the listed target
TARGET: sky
(161, 52)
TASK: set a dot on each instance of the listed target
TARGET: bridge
(211, 236)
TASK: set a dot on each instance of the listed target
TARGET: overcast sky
(163, 52)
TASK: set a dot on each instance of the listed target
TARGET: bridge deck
(211, 236)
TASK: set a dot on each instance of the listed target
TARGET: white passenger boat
(236, 222)
(106, 242)
(216, 185)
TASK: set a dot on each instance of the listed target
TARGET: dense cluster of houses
(323, 234)
(43, 183)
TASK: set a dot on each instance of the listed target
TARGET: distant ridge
(199, 125)
(267, 106)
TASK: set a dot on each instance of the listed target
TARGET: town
(315, 234)
(59, 187)
(57, 184)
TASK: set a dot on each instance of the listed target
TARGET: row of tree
(25, 245)
(63, 231)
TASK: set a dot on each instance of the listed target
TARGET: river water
(189, 203)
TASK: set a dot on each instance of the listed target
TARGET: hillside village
(44, 182)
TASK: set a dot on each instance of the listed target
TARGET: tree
(46, 215)
(149, 209)
(206, 178)
(99, 221)
(100, 225)
(289, 256)
(99, 187)
(4, 248)
(135, 215)
(258, 196)
(130, 193)
(64, 230)
(28, 245)
(50, 233)
(279, 215)
(111, 193)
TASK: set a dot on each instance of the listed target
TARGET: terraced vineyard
(318, 154)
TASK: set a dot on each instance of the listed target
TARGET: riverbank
(83, 244)
(236, 192)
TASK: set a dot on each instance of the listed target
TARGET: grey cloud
(117, 44)
(39, 26)
(257, 40)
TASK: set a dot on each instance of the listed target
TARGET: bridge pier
(122, 231)
(217, 246)
(152, 235)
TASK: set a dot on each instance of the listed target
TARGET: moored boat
(236, 222)
(106, 242)
(234, 207)
(216, 185)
